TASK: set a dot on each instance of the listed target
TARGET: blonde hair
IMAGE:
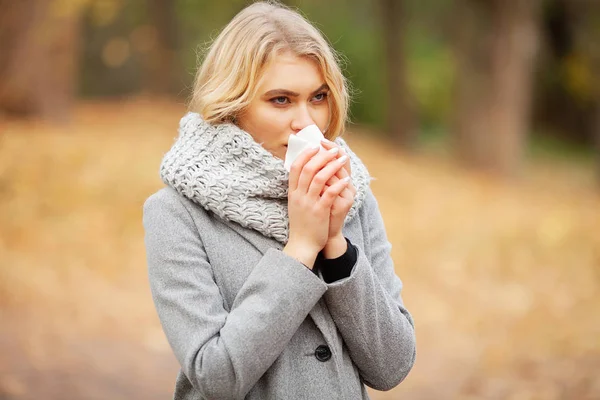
(228, 78)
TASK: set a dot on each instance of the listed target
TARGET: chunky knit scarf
(223, 169)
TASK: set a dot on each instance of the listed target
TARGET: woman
(269, 284)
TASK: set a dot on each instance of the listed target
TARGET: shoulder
(163, 196)
(369, 204)
(370, 214)
(167, 204)
(164, 199)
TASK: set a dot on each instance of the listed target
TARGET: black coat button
(323, 353)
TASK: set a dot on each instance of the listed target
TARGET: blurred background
(479, 119)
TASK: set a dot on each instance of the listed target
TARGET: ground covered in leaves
(502, 277)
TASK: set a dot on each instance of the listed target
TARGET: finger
(313, 166)
(328, 144)
(346, 193)
(333, 192)
(348, 165)
(321, 178)
(340, 174)
(334, 178)
(298, 164)
(343, 172)
(330, 182)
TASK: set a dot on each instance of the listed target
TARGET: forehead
(288, 71)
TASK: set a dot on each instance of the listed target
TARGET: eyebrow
(285, 92)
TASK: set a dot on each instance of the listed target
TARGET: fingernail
(346, 179)
(326, 140)
(343, 159)
(334, 150)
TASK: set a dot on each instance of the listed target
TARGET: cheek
(274, 122)
(266, 124)
(321, 117)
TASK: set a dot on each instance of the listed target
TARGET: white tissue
(311, 135)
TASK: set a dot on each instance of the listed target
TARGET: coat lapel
(257, 239)
(262, 244)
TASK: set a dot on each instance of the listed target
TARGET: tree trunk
(587, 36)
(161, 67)
(472, 63)
(513, 61)
(401, 121)
(597, 141)
(495, 70)
(38, 68)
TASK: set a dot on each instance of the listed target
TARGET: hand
(310, 202)
(342, 204)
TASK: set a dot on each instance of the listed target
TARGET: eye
(280, 101)
(321, 96)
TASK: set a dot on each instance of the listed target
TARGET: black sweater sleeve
(334, 269)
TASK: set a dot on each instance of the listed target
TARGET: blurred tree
(353, 27)
(39, 42)
(401, 120)
(119, 45)
(162, 67)
(588, 43)
(582, 64)
(198, 23)
(568, 86)
(597, 142)
(495, 47)
(564, 94)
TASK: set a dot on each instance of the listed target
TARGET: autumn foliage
(503, 279)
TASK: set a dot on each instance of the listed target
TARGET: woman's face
(291, 95)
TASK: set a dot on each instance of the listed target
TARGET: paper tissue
(311, 135)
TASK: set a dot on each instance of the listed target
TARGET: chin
(283, 153)
(279, 155)
(279, 152)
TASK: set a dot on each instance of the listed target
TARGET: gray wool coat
(244, 319)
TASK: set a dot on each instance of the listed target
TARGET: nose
(301, 119)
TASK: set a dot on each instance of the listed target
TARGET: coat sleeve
(223, 354)
(369, 312)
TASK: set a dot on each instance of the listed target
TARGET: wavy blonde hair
(227, 80)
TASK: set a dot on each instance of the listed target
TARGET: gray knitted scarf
(223, 169)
